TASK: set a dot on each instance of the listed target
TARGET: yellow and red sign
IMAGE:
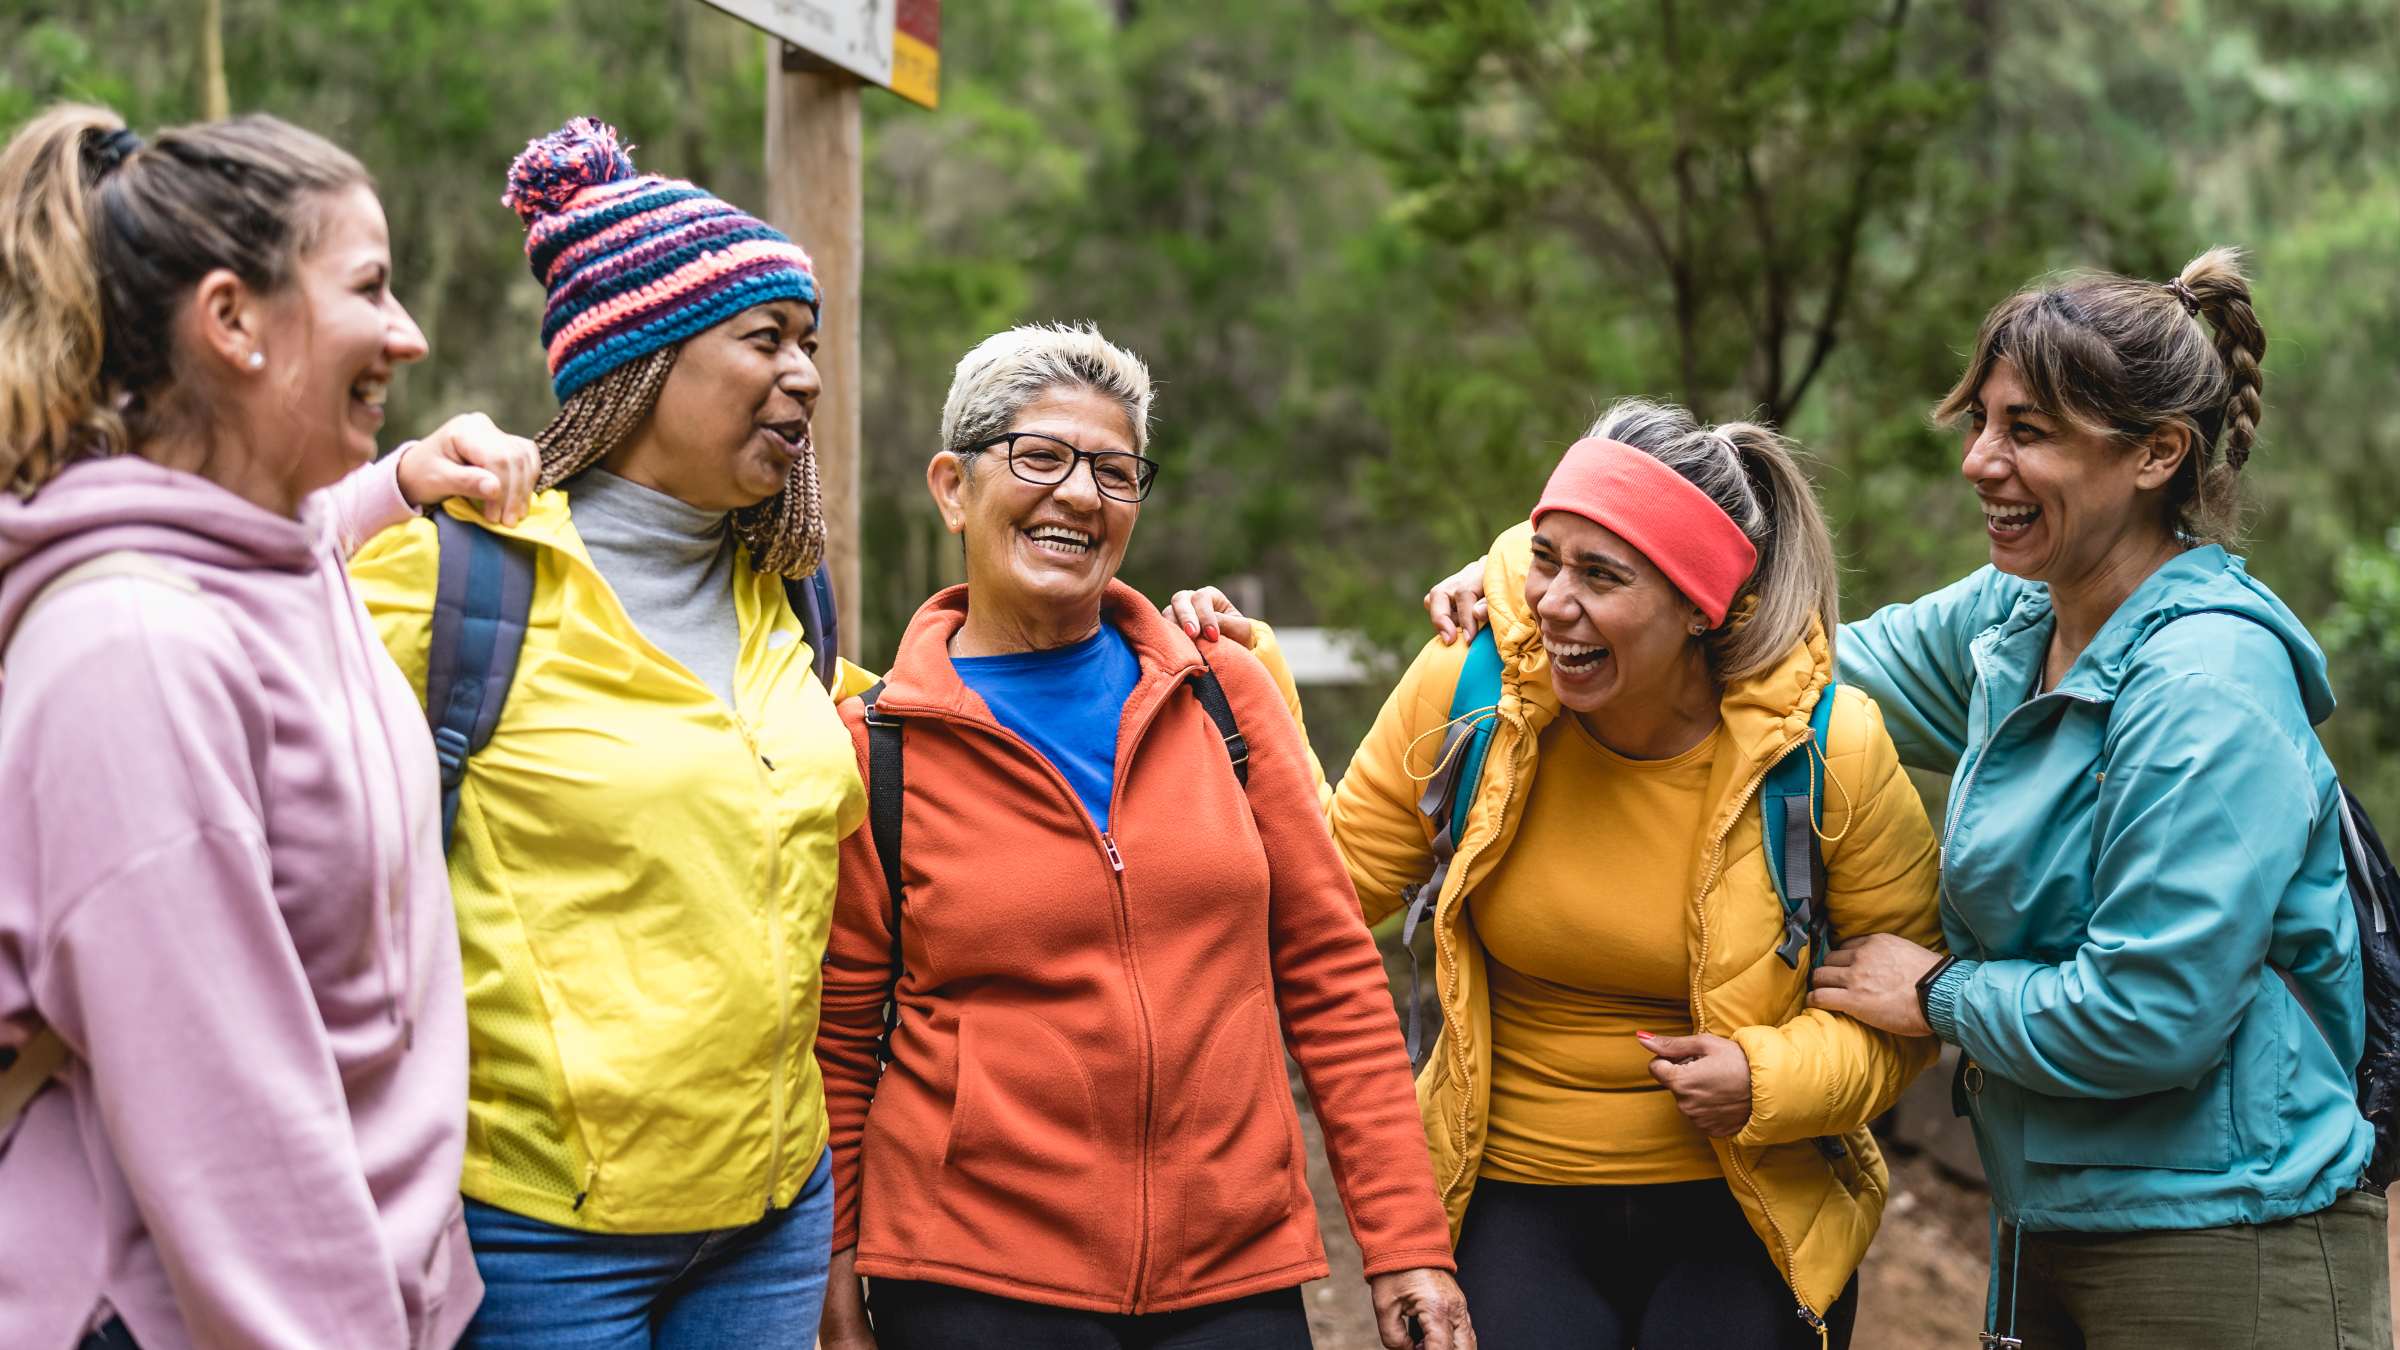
(893, 43)
(917, 51)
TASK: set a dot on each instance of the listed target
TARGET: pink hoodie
(221, 882)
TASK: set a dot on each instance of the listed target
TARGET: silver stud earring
(256, 361)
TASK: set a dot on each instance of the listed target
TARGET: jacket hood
(126, 502)
(2205, 580)
(1763, 713)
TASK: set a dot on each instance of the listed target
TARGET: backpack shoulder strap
(1477, 691)
(1220, 711)
(886, 791)
(123, 562)
(27, 1066)
(1791, 807)
(1448, 795)
(482, 596)
(811, 598)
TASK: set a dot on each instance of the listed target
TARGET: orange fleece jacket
(1086, 1104)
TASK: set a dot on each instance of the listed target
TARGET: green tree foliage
(1388, 257)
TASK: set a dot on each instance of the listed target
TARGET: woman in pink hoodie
(228, 967)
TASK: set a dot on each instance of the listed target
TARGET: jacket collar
(2197, 581)
(923, 679)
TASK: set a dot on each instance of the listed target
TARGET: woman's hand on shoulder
(1709, 1077)
(1456, 604)
(1874, 979)
(467, 456)
(1205, 614)
(1420, 1309)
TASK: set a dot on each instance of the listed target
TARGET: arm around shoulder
(1381, 833)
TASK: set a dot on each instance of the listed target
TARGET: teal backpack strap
(1791, 807)
(1477, 691)
(1447, 796)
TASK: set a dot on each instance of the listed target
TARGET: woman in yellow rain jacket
(643, 856)
(1641, 1132)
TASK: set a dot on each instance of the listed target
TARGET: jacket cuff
(1941, 999)
(1411, 1258)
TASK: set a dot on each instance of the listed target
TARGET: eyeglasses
(1047, 460)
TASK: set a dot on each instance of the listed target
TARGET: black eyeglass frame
(1145, 468)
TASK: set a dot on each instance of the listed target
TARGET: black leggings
(1671, 1267)
(916, 1315)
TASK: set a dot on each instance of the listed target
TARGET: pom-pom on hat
(635, 262)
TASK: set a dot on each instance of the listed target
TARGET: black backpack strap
(482, 595)
(811, 598)
(1220, 711)
(886, 789)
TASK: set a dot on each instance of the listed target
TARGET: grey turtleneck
(671, 565)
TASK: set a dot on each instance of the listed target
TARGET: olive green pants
(2316, 1282)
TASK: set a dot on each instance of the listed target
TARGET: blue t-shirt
(1066, 703)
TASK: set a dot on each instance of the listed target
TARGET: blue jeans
(552, 1288)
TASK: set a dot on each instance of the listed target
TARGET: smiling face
(2060, 503)
(1044, 552)
(1617, 631)
(329, 341)
(733, 415)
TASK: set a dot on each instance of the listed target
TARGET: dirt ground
(1922, 1286)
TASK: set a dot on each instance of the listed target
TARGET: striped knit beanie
(635, 262)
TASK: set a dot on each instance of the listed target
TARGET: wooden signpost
(829, 50)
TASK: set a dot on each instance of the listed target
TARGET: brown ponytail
(101, 243)
(2121, 357)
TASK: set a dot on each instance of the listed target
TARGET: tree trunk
(215, 103)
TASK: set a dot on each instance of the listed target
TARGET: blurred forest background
(1387, 257)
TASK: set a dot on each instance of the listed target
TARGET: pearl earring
(257, 361)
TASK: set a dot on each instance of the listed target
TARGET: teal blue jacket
(2127, 860)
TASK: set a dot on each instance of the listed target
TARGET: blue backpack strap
(1791, 808)
(1447, 797)
(482, 595)
(820, 623)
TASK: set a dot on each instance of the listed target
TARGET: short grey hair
(1016, 367)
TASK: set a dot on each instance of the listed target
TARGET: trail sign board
(894, 44)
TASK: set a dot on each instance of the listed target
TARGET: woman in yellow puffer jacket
(1642, 1133)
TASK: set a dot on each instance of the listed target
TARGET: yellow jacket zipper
(1733, 1154)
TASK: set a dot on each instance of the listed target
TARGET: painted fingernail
(1191, 630)
(1212, 633)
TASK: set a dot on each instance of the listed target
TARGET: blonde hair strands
(1754, 476)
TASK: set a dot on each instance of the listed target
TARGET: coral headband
(1658, 511)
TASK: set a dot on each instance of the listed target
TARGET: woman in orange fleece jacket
(1113, 920)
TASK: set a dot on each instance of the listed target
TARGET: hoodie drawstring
(1993, 1338)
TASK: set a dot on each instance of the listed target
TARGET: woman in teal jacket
(2155, 984)
(2155, 981)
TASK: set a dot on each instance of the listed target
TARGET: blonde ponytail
(53, 337)
(1753, 475)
